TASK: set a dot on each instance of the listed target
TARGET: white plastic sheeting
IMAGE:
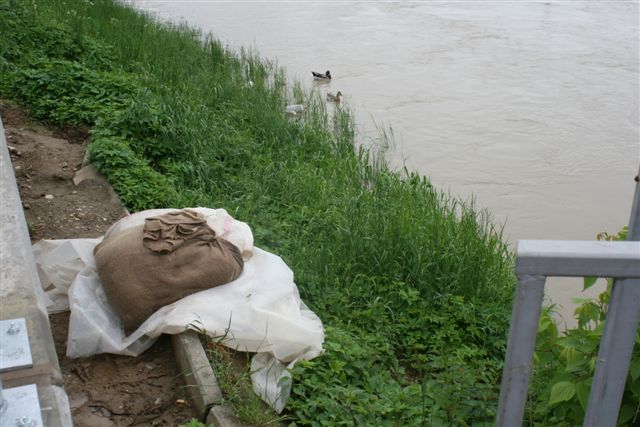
(259, 312)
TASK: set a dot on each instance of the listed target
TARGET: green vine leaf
(589, 281)
(634, 369)
(561, 392)
(582, 390)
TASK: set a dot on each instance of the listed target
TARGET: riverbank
(103, 390)
(399, 272)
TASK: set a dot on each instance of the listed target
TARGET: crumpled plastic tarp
(259, 312)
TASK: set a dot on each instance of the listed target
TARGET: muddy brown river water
(529, 107)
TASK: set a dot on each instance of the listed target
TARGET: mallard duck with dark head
(320, 76)
(334, 98)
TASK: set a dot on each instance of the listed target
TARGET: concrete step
(21, 296)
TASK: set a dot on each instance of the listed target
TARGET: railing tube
(527, 305)
(618, 338)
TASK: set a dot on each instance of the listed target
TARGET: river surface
(532, 108)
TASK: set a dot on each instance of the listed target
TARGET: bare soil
(104, 390)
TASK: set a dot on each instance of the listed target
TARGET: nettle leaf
(582, 390)
(589, 282)
(634, 369)
(586, 313)
(627, 413)
(561, 392)
(576, 361)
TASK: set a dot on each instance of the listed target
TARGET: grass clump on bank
(413, 286)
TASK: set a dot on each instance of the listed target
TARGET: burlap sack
(169, 257)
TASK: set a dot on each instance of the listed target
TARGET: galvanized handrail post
(618, 339)
(527, 304)
(538, 259)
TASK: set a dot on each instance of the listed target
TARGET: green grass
(413, 285)
(233, 372)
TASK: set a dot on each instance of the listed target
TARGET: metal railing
(538, 259)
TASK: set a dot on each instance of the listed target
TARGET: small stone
(17, 167)
(77, 401)
(74, 192)
(26, 206)
(48, 196)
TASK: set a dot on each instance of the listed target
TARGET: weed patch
(413, 286)
(564, 363)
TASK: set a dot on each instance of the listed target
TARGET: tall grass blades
(413, 285)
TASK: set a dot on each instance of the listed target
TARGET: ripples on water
(531, 107)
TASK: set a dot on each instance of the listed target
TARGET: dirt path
(104, 390)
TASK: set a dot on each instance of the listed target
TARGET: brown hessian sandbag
(169, 257)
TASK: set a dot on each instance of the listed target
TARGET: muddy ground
(104, 390)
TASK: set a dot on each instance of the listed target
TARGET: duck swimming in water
(320, 76)
(295, 110)
(334, 98)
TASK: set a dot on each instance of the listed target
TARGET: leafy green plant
(67, 92)
(233, 373)
(138, 185)
(349, 385)
(564, 364)
(413, 286)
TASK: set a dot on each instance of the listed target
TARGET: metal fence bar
(578, 258)
(614, 355)
(562, 258)
(537, 260)
(527, 304)
(616, 345)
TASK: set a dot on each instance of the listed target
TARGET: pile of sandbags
(258, 311)
(148, 266)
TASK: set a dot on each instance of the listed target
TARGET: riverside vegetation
(414, 286)
(564, 364)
